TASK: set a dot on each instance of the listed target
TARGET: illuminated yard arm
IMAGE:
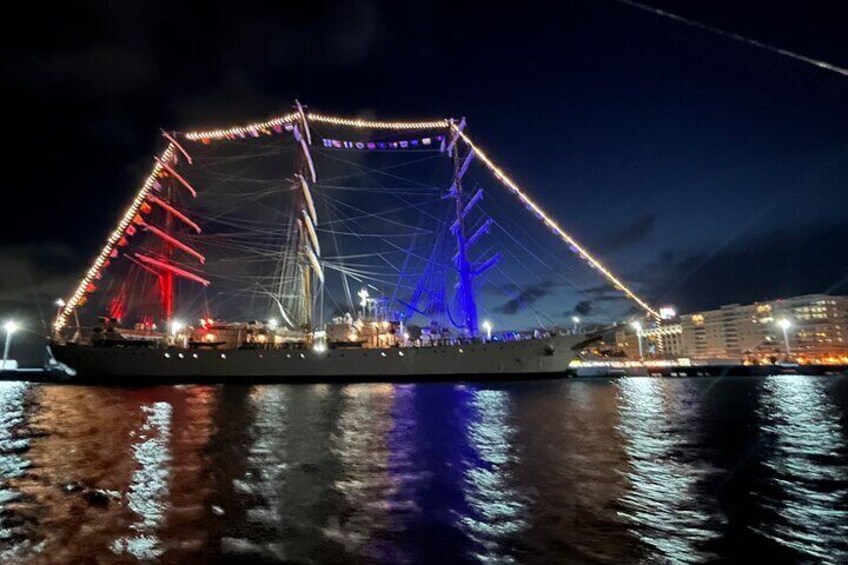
(581, 251)
(116, 235)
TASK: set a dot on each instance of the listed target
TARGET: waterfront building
(816, 329)
(663, 341)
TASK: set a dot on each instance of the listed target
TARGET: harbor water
(634, 469)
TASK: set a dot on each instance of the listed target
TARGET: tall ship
(316, 247)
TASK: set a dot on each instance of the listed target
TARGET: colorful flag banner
(432, 142)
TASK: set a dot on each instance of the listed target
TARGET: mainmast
(467, 271)
(309, 250)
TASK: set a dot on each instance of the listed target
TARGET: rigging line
(365, 215)
(530, 252)
(380, 255)
(399, 190)
(492, 199)
(388, 167)
(383, 170)
(544, 263)
(737, 37)
(548, 221)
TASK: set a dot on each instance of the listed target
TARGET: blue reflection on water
(806, 463)
(666, 508)
(496, 506)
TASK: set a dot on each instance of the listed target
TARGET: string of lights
(242, 131)
(374, 124)
(551, 224)
(114, 238)
(277, 123)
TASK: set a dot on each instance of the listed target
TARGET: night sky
(703, 170)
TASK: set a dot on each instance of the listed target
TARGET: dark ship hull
(535, 358)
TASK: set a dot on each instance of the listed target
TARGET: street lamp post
(576, 320)
(785, 325)
(638, 327)
(59, 305)
(487, 325)
(11, 327)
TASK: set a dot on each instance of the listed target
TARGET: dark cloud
(772, 265)
(36, 273)
(630, 234)
(525, 298)
(583, 308)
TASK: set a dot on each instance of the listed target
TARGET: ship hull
(478, 361)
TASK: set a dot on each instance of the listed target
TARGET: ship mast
(166, 278)
(467, 271)
(466, 286)
(309, 250)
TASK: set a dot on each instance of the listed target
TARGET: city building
(814, 324)
(663, 341)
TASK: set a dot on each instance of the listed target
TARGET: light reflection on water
(609, 471)
(148, 493)
(807, 468)
(496, 505)
(12, 464)
(664, 504)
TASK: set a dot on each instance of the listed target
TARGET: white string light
(242, 131)
(280, 121)
(580, 250)
(113, 239)
(374, 124)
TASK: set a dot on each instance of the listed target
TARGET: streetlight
(272, 324)
(576, 320)
(487, 325)
(785, 325)
(638, 327)
(59, 304)
(364, 295)
(11, 327)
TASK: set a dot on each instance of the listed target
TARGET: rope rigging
(237, 210)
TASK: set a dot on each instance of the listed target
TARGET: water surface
(595, 471)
